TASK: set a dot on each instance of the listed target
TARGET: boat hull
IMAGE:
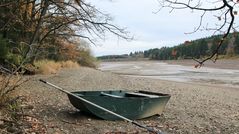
(128, 105)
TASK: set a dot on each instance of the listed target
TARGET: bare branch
(200, 24)
(224, 6)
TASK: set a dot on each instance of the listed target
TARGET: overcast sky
(150, 30)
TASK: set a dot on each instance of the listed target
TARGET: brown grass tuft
(47, 66)
(69, 64)
(51, 67)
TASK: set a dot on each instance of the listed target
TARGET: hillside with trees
(195, 49)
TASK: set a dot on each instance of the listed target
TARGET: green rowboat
(118, 105)
(130, 104)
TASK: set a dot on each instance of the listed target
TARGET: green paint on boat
(132, 105)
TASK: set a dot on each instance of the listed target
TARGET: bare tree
(33, 23)
(42, 21)
(224, 10)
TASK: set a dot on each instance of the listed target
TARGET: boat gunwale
(160, 95)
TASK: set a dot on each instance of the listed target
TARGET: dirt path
(191, 109)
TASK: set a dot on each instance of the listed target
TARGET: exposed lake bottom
(171, 72)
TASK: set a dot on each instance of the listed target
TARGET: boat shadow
(76, 115)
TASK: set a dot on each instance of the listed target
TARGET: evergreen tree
(237, 44)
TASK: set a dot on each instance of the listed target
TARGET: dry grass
(51, 67)
(69, 64)
(47, 66)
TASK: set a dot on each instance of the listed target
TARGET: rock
(2, 125)
(1, 117)
(27, 106)
(12, 129)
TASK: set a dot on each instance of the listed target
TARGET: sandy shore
(192, 108)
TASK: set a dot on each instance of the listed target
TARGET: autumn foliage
(49, 30)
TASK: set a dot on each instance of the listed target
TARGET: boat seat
(110, 95)
(134, 94)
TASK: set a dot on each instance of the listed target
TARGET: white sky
(150, 30)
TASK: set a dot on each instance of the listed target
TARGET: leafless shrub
(8, 84)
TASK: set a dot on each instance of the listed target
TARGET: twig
(10, 121)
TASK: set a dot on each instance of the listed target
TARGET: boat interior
(122, 94)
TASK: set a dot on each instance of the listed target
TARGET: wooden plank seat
(111, 95)
(135, 94)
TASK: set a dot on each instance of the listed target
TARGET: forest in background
(189, 49)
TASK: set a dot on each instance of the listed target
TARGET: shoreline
(219, 64)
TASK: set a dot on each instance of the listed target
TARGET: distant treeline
(123, 57)
(187, 50)
(112, 57)
(197, 48)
